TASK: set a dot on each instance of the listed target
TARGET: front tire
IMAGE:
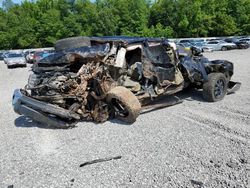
(125, 104)
(223, 48)
(215, 88)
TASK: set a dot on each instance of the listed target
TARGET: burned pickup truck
(99, 78)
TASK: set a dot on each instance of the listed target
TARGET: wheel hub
(219, 88)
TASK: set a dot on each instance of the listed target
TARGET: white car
(220, 45)
(203, 47)
(15, 60)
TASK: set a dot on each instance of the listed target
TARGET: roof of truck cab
(127, 39)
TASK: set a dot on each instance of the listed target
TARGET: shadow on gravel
(26, 122)
(119, 122)
(191, 94)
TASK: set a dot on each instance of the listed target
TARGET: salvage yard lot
(192, 144)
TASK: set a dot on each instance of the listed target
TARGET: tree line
(40, 23)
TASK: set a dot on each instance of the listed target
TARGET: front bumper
(42, 112)
(233, 87)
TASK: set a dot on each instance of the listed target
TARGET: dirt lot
(193, 144)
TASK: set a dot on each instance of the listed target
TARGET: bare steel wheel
(125, 104)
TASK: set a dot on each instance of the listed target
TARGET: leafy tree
(51, 28)
(106, 22)
(87, 17)
(40, 23)
(7, 4)
(240, 11)
(158, 31)
(71, 26)
(223, 23)
(133, 16)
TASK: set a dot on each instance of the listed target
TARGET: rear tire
(215, 88)
(72, 42)
(125, 104)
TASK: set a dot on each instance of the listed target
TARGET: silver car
(203, 47)
(15, 60)
(220, 45)
(247, 40)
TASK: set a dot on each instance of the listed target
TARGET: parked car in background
(40, 55)
(182, 50)
(15, 60)
(29, 55)
(186, 45)
(199, 40)
(199, 45)
(202, 46)
(239, 44)
(185, 41)
(220, 45)
(212, 39)
(1, 55)
(247, 40)
(26, 53)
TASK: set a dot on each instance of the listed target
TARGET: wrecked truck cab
(114, 77)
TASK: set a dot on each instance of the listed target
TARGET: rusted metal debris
(83, 92)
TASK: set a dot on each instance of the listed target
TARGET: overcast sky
(16, 1)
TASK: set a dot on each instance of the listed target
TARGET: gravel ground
(193, 144)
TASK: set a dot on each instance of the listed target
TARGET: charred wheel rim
(124, 104)
(119, 108)
(219, 88)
